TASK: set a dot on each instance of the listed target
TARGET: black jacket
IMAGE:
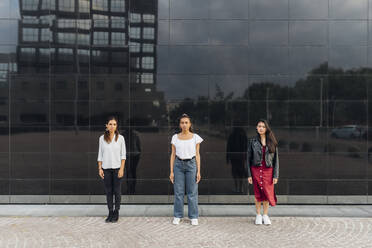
(254, 157)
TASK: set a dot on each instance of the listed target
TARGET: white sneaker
(176, 221)
(258, 219)
(194, 222)
(266, 219)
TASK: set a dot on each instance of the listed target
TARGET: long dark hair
(106, 136)
(188, 117)
(271, 141)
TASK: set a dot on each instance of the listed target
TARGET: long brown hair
(271, 141)
(106, 136)
(188, 117)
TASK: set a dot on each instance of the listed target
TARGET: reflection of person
(263, 169)
(133, 145)
(236, 155)
(111, 162)
(185, 170)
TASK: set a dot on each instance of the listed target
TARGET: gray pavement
(220, 226)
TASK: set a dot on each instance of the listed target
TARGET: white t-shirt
(186, 149)
(111, 154)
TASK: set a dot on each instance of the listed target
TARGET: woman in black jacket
(263, 169)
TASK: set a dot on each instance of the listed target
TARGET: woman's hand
(198, 177)
(101, 174)
(121, 173)
(171, 177)
(275, 180)
(250, 180)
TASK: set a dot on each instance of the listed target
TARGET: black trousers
(112, 188)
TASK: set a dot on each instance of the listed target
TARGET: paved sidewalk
(220, 226)
(158, 232)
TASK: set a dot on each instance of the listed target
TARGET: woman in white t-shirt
(185, 170)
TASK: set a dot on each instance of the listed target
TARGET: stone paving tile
(212, 232)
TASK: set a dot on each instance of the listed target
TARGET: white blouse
(186, 149)
(111, 154)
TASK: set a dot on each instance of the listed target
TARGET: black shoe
(109, 217)
(115, 216)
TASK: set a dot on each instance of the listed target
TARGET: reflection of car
(348, 132)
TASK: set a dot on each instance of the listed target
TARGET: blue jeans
(185, 174)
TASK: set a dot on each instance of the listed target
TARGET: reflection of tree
(258, 91)
(342, 93)
(324, 91)
(220, 95)
(197, 109)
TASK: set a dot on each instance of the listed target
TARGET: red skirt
(263, 185)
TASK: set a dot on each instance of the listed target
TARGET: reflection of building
(142, 44)
(7, 68)
(73, 36)
(99, 50)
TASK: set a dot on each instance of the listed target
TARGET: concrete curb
(204, 210)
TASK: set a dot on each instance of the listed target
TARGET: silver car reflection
(348, 132)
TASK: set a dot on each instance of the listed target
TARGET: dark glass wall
(65, 65)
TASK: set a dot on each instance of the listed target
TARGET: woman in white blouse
(111, 162)
(185, 170)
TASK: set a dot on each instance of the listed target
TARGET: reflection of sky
(192, 86)
(349, 9)
(181, 86)
(309, 9)
(9, 9)
(8, 27)
(198, 60)
(4, 8)
(8, 49)
(8, 31)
